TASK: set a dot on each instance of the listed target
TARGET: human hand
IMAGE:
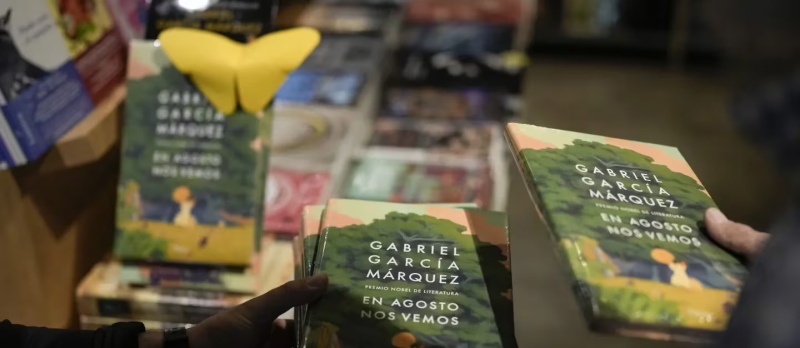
(253, 324)
(734, 236)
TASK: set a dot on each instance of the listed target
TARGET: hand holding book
(252, 324)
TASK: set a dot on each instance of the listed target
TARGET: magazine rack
(57, 219)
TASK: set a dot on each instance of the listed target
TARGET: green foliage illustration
(632, 305)
(359, 305)
(140, 245)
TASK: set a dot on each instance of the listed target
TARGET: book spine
(94, 323)
(179, 309)
(196, 279)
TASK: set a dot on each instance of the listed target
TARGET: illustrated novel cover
(412, 276)
(192, 179)
(628, 218)
(97, 49)
(388, 179)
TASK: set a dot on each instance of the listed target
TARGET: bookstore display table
(57, 218)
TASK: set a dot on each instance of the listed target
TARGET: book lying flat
(403, 275)
(628, 218)
(242, 280)
(102, 293)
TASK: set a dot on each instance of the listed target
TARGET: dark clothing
(119, 335)
(768, 312)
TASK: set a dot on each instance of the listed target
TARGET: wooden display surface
(57, 219)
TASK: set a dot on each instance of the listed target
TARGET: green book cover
(192, 179)
(627, 217)
(405, 275)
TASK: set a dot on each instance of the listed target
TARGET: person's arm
(119, 335)
(249, 325)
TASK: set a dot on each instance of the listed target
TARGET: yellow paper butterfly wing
(267, 61)
(210, 60)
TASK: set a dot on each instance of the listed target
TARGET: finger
(264, 309)
(732, 235)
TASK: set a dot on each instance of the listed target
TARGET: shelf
(90, 139)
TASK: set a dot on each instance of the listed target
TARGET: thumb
(264, 309)
(732, 235)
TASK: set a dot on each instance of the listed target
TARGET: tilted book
(412, 276)
(627, 217)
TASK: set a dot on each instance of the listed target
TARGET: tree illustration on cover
(193, 195)
(662, 269)
(480, 315)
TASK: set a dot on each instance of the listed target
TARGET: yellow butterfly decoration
(232, 74)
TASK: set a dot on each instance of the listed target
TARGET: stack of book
(190, 200)
(406, 275)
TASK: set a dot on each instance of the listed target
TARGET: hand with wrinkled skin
(252, 324)
(734, 236)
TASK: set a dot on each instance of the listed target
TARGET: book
(346, 53)
(42, 94)
(500, 72)
(627, 218)
(412, 276)
(94, 323)
(307, 247)
(386, 176)
(459, 38)
(240, 20)
(92, 39)
(288, 191)
(310, 134)
(436, 137)
(191, 189)
(508, 12)
(447, 104)
(102, 293)
(340, 19)
(130, 17)
(240, 280)
(322, 87)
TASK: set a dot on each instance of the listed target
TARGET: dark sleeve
(119, 335)
(768, 312)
